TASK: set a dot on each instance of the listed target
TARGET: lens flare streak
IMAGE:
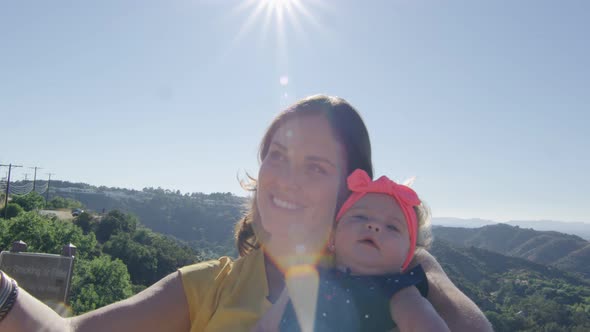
(303, 283)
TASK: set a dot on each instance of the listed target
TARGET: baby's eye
(361, 217)
(392, 227)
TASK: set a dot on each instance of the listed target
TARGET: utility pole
(47, 192)
(35, 176)
(10, 166)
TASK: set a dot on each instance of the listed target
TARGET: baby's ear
(409, 182)
(331, 245)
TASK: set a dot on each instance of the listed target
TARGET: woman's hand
(455, 308)
(412, 312)
(272, 318)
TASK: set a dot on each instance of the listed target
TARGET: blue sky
(485, 102)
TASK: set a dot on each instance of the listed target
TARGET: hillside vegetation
(201, 220)
(563, 251)
(116, 255)
(516, 294)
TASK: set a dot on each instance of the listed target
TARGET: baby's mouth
(370, 242)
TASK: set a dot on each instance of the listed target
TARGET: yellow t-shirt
(226, 295)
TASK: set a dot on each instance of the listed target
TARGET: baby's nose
(373, 227)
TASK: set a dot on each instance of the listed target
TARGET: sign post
(45, 276)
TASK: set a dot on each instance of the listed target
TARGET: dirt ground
(61, 214)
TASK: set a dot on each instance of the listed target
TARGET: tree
(141, 260)
(97, 283)
(63, 203)
(84, 221)
(30, 228)
(29, 202)
(169, 254)
(47, 235)
(113, 223)
(13, 210)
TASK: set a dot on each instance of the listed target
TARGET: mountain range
(523, 279)
(580, 229)
(564, 251)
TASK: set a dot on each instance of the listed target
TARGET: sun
(290, 22)
(279, 8)
(275, 15)
(279, 4)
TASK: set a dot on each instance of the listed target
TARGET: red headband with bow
(360, 184)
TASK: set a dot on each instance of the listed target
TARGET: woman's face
(298, 184)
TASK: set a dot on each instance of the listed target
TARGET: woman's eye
(317, 169)
(276, 155)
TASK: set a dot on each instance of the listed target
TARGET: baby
(371, 287)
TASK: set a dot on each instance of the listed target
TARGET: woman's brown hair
(348, 128)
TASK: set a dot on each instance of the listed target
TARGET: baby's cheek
(343, 243)
(338, 235)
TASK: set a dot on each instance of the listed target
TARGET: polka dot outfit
(355, 303)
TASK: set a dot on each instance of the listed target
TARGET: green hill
(516, 293)
(567, 252)
(202, 220)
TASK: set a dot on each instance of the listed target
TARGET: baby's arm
(272, 318)
(412, 312)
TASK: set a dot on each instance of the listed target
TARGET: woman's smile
(286, 204)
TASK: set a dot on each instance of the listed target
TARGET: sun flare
(277, 23)
(275, 15)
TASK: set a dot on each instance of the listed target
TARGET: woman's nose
(373, 227)
(289, 179)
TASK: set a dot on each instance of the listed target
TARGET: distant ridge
(580, 229)
(564, 251)
(207, 220)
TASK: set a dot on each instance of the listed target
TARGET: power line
(40, 189)
(35, 176)
(10, 166)
(47, 192)
(22, 189)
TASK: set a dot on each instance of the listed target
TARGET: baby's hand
(272, 318)
(412, 312)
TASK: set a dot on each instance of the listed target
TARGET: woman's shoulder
(208, 283)
(218, 269)
(213, 266)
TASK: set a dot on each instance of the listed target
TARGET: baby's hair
(423, 216)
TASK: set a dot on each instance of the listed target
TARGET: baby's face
(372, 237)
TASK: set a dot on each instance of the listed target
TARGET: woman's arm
(161, 307)
(457, 310)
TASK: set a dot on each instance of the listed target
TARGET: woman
(305, 156)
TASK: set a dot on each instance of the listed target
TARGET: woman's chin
(289, 252)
